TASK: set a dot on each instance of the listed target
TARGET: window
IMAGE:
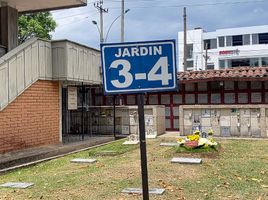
(189, 50)
(210, 66)
(222, 64)
(206, 44)
(228, 85)
(213, 43)
(246, 39)
(131, 99)
(229, 41)
(229, 98)
(255, 85)
(153, 99)
(264, 61)
(242, 98)
(237, 40)
(189, 98)
(189, 87)
(177, 99)
(210, 44)
(202, 86)
(215, 86)
(242, 85)
(165, 99)
(215, 98)
(263, 38)
(254, 62)
(256, 97)
(202, 98)
(255, 39)
(189, 64)
(240, 63)
(221, 41)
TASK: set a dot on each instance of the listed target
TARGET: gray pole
(99, 7)
(101, 25)
(122, 20)
(184, 40)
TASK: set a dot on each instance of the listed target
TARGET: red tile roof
(238, 73)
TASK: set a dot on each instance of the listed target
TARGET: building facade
(224, 48)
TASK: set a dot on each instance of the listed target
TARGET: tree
(36, 24)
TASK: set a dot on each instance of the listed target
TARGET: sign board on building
(139, 67)
(72, 98)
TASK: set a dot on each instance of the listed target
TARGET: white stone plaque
(205, 122)
(255, 122)
(149, 120)
(206, 113)
(225, 121)
(72, 98)
(125, 130)
(187, 121)
(182, 160)
(245, 112)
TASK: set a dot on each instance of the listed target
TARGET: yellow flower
(196, 132)
(210, 132)
(193, 137)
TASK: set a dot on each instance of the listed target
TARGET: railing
(22, 66)
(38, 59)
(75, 62)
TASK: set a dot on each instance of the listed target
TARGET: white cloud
(154, 22)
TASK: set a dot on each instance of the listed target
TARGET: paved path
(15, 159)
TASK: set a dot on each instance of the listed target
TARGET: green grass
(239, 171)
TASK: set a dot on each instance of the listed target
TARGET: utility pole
(102, 10)
(122, 20)
(206, 56)
(185, 40)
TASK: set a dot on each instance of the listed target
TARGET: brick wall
(32, 119)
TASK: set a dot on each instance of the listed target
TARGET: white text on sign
(139, 51)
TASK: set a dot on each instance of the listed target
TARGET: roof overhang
(28, 6)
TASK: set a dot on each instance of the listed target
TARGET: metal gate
(81, 124)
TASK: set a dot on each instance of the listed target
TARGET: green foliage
(36, 24)
(200, 149)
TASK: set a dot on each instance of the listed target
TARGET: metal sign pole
(143, 154)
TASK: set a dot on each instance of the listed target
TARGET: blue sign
(139, 67)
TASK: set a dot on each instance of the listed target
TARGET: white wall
(197, 36)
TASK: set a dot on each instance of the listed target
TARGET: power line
(194, 5)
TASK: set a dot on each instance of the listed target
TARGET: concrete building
(226, 48)
(233, 102)
(34, 77)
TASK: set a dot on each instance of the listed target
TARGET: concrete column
(263, 123)
(8, 27)
(181, 120)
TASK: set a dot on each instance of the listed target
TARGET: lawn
(239, 170)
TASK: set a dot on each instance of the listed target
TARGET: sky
(156, 19)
